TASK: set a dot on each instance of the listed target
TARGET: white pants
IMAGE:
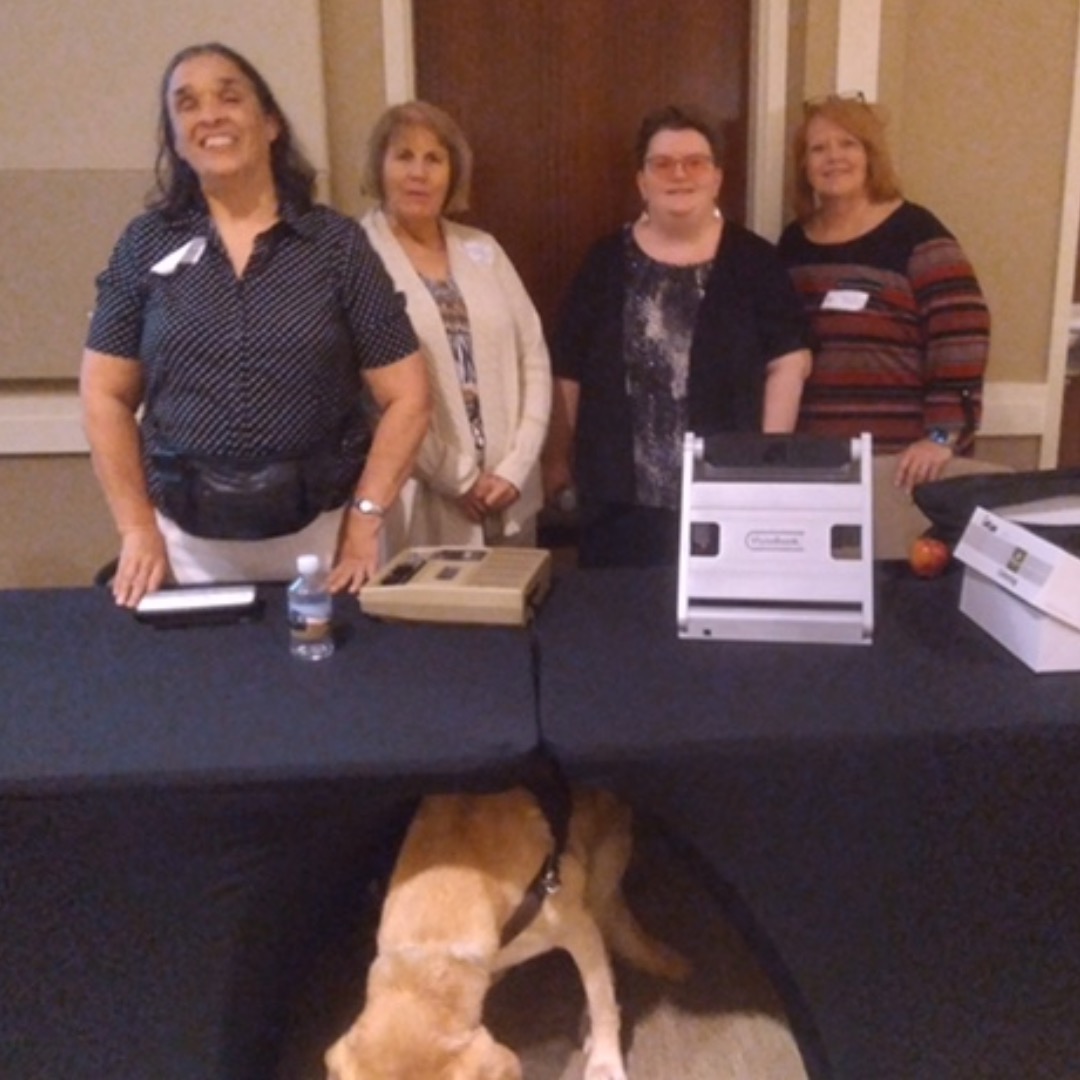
(197, 561)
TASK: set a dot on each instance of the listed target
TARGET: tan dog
(466, 863)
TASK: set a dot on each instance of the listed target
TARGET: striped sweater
(899, 328)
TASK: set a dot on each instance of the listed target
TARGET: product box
(1022, 589)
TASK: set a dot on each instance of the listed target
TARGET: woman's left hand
(358, 554)
(495, 492)
(488, 495)
(920, 463)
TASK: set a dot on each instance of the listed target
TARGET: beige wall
(821, 30)
(985, 95)
(78, 83)
(59, 225)
(979, 92)
(54, 529)
(355, 81)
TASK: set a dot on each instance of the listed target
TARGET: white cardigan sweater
(513, 374)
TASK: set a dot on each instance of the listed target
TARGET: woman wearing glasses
(900, 328)
(681, 321)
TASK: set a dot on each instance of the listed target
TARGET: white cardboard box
(1023, 590)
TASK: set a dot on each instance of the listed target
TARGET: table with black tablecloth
(183, 814)
(899, 822)
(186, 815)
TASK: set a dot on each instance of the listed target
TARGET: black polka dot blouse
(263, 366)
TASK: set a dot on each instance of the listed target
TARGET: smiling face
(416, 175)
(680, 178)
(836, 161)
(218, 125)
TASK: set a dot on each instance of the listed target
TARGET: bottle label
(308, 628)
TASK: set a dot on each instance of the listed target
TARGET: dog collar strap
(545, 883)
(546, 783)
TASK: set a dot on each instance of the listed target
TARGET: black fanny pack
(237, 499)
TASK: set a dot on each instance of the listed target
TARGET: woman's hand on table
(920, 463)
(358, 554)
(143, 564)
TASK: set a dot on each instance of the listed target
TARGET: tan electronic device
(489, 586)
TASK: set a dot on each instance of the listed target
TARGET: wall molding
(1013, 409)
(39, 424)
(399, 56)
(1064, 278)
(768, 117)
(858, 47)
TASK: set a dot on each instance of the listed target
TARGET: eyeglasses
(694, 166)
(852, 97)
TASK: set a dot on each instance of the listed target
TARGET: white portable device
(198, 605)
(776, 539)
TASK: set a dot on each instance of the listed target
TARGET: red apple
(928, 557)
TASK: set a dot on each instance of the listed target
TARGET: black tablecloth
(98, 698)
(183, 814)
(901, 821)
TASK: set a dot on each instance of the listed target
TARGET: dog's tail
(623, 934)
(626, 937)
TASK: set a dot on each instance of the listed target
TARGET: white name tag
(480, 251)
(187, 255)
(845, 300)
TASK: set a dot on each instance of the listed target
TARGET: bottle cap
(308, 564)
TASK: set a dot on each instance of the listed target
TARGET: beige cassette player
(489, 586)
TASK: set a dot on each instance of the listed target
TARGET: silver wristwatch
(368, 507)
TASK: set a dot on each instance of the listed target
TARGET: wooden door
(550, 94)
(1069, 446)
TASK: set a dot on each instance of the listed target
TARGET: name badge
(845, 300)
(187, 255)
(480, 251)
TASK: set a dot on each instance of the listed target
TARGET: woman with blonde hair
(476, 480)
(899, 326)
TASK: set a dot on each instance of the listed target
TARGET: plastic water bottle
(311, 630)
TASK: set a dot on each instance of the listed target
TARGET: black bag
(950, 503)
(236, 499)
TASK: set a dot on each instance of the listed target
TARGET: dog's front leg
(583, 941)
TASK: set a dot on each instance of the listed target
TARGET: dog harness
(546, 783)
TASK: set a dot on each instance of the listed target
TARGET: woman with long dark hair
(251, 384)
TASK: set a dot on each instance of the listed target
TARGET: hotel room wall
(985, 90)
(979, 91)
